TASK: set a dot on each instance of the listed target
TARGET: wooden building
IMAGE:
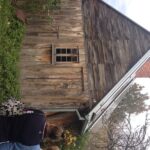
(53, 66)
(74, 61)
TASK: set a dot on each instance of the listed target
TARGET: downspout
(65, 110)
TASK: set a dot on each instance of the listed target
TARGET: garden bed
(70, 141)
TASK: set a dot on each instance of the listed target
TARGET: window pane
(63, 51)
(68, 51)
(69, 58)
(58, 51)
(58, 58)
(74, 51)
(63, 58)
(74, 59)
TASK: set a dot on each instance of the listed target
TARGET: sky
(144, 82)
(137, 10)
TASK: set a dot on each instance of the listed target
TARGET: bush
(75, 142)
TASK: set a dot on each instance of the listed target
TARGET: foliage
(123, 137)
(69, 139)
(132, 102)
(52, 4)
(11, 34)
(40, 6)
(34, 6)
(74, 142)
(117, 133)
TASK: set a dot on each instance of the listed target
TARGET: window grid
(67, 55)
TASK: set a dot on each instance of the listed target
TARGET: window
(67, 55)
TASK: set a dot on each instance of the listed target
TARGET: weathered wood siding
(113, 43)
(48, 85)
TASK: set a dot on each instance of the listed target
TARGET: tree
(118, 131)
(123, 137)
(132, 102)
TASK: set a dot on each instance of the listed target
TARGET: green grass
(11, 34)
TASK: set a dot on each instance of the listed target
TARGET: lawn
(11, 35)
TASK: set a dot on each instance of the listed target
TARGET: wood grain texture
(109, 46)
(113, 44)
(43, 84)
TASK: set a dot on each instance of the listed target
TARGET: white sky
(144, 82)
(137, 10)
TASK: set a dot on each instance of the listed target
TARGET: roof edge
(120, 13)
